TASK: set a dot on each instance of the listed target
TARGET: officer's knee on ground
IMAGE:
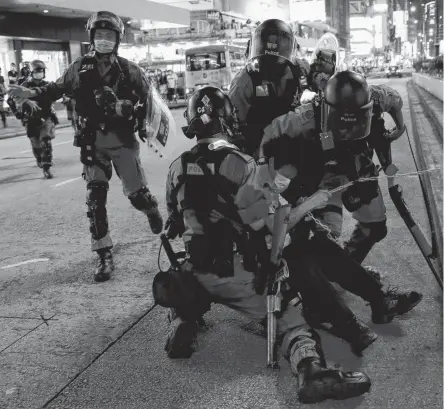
(96, 201)
(143, 200)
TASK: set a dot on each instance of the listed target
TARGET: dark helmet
(349, 105)
(107, 20)
(209, 112)
(273, 45)
(38, 65)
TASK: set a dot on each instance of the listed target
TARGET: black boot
(317, 383)
(181, 337)
(105, 265)
(47, 172)
(354, 331)
(357, 334)
(393, 303)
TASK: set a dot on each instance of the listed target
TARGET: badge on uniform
(327, 141)
(194, 169)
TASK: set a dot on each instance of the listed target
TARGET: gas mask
(38, 75)
(104, 46)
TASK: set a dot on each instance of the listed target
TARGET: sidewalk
(15, 128)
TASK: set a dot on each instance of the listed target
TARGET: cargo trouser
(128, 167)
(237, 293)
(40, 136)
(371, 218)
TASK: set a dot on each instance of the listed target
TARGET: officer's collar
(214, 138)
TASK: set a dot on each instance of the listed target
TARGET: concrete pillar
(75, 51)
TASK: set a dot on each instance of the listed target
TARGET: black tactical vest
(120, 82)
(203, 189)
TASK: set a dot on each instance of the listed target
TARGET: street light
(413, 9)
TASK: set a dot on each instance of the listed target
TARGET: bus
(215, 65)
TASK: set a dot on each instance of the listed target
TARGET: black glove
(359, 194)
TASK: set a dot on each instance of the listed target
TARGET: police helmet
(38, 66)
(106, 20)
(209, 111)
(273, 46)
(349, 104)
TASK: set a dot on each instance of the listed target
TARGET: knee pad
(96, 201)
(297, 335)
(46, 147)
(143, 200)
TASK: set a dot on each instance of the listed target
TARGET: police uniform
(40, 126)
(235, 288)
(116, 145)
(371, 217)
(258, 102)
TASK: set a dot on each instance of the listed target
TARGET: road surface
(67, 342)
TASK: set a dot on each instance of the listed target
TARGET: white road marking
(66, 181)
(54, 144)
(35, 260)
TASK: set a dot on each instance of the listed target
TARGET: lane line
(35, 260)
(54, 144)
(66, 181)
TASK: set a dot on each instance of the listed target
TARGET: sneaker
(392, 304)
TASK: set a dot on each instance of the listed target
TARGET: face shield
(324, 61)
(271, 51)
(347, 124)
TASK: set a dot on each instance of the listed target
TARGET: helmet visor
(272, 42)
(350, 125)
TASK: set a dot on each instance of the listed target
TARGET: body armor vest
(90, 80)
(203, 189)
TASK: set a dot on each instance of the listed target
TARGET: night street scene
(221, 204)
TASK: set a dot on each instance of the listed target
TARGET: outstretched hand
(33, 105)
(17, 91)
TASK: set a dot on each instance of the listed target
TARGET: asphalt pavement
(67, 342)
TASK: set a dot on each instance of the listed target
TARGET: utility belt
(212, 255)
(39, 120)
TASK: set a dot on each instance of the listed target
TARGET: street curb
(23, 133)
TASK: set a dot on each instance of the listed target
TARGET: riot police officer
(39, 117)
(328, 165)
(270, 84)
(106, 88)
(349, 89)
(214, 192)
